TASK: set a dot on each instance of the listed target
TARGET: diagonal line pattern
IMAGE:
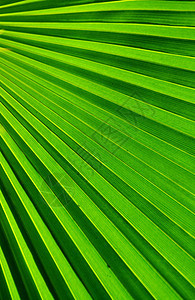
(97, 149)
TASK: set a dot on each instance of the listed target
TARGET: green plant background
(96, 140)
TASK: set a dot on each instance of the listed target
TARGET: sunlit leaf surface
(97, 144)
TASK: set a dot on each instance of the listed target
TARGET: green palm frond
(97, 149)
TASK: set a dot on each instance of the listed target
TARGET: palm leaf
(97, 149)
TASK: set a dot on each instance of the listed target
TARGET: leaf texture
(97, 149)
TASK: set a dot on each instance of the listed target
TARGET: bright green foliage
(97, 150)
